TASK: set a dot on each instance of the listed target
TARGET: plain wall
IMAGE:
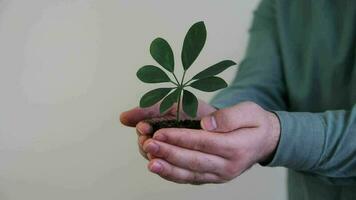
(67, 69)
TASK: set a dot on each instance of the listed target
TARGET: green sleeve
(319, 143)
(259, 78)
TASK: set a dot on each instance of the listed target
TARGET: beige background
(67, 69)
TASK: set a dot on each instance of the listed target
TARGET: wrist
(273, 136)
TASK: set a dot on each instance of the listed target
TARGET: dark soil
(190, 124)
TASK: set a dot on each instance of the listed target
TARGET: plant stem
(178, 105)
(181, 86)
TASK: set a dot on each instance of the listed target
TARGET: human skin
(231, 141)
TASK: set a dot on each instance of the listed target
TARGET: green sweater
(301, 63)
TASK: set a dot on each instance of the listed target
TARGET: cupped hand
(232, 140)
(137, 117)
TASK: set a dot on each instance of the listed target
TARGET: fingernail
(139, 130)
(160, 137)
(209, 123)
(144, 128)
(156, 167)
(152, 148)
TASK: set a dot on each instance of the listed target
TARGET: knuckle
(165, 152)
(229, 172)
(200, 145)
(229, 147)
(225, 120)
(177, 139)
(229, 151)
(207, 144)
(211, 166)
(221, 116)
(240, 153)
(195, 164)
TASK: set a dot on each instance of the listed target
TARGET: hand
(136, 117)
(232, 140)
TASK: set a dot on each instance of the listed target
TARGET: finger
(180, 175)
(243, 115)
(133, 116)
(140, 141)
(185, 158)
(150, 156)
(144, 128)
(144, 154)
(199, 140)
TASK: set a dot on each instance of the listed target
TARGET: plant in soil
(178, 93)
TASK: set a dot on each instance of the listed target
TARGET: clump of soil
(190, 124)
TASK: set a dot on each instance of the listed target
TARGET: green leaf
(190, 104)
(193, 44)
(153, 96)
(209, 84)
(162, 53)
(152, 74)
(169, 100)
(215, 69)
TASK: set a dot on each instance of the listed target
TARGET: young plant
(206, 80)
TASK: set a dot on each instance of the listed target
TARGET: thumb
(244, 115)
(134, 116)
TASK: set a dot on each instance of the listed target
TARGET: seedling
(206, 80)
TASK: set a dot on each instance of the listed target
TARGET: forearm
(319, 143)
